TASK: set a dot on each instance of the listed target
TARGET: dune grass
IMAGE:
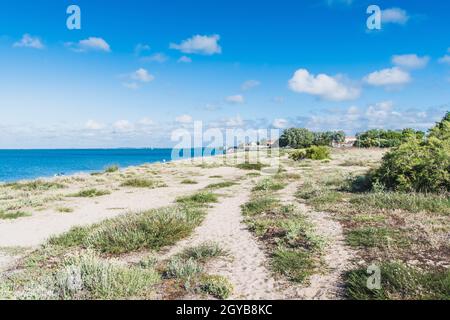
(270, 184)
(112, 169)
(86, 276)
(399, 282)
(203, 252)
(13, 215)
(189, 181)
(215, 285)
(251, 166)
(200, 198)
(152, 229)
(89, 193)
(142, 183)
(36, 185)
(64, 209)
(221, 185)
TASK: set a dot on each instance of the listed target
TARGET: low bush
(216, 286)
(313, 153)
(90, 193)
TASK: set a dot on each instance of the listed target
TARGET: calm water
(31, 164)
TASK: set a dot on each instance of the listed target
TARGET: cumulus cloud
(136, 78)
(94, 125)
(123, 126)
(323, 86)
(410, 61)
(142, 75)
(185, 59)
(29, 41)
(141, 47)
(394, 15)
(184, 119)
(198, 44)
(388, 77)
(146, 122)
(250, 84)
(90, 44)
(236, 99)
(445, 59)
(157, 57)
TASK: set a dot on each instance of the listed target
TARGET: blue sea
(31, 164)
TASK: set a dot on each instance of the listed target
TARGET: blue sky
(137, 70)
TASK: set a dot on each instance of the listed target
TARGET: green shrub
(297, 265)
(417, 165)
(313, 153)
(199, 198)
(111, 169)
(220, 185)
(217, 286)
(189, 181)
(269, 184)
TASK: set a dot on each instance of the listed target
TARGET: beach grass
(89, 193)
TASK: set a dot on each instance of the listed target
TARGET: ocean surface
(31, 164)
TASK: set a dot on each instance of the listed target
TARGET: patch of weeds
(74, 237)
(259, 205)
(297, 265)
(399, 282)
(88, 276)
(182, 269)
(141, 183)
(269, 184)
(111, 169)
(64, 209)
(13, 215)
(251, 166)
(374, 237)
(189, 181)
(253, 174)
(221, 185)
(216, 177)
(216, 286)
(203, 252)
(90, 193)
(37, 185)
(200, 198)
(412, 202)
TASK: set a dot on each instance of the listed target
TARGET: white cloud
(445, 59)
(388, 77)
(236, 99)
(198, 44)
(146, 122)
(140, 47)
(410, 61)
(94, 125)
(123, 126)
(136, 78)
(280, 123)
(90, 44)
(185, 118)
(142, 75)
(323, 86)
(394, 15)
(250, 84)
(235, 122)
(157, 57)
(185, 59)
(29, 41)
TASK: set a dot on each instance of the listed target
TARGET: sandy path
(33, 231)
(246, 265)
(337, 255)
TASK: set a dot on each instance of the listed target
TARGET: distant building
(348, 143)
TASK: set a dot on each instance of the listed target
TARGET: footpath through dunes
(245, 265)
(337, 256)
